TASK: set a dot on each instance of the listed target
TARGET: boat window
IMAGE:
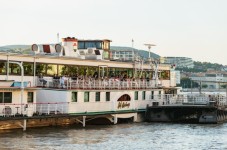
(86, 96)
(106, 45)
(89, 45)
(144, 95)
(97, 96)
(159, 94)
(106, 54)
(98, 45)
(74, 96)
(107, 96)
(81, 45)
(2, 67)
(91, 70)
(30, 97)
(164, 75)
(136, 95)
(41, 69)
(62, 70)
(14, 69)
(152, 94)
(51, 69)
(5, 97)
(28, 68)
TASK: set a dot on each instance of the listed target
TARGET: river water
(122, 136)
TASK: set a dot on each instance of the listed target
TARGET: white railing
(32, 109)
(97, 84)
(191, 99)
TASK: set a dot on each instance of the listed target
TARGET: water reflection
(122, 136)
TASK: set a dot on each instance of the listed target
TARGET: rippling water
(122, 136)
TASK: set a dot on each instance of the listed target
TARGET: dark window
(152, 94)
(30, 97)
(107, 96)
(5, 97)
(89, 44)
(98, 45)
(136, 95)
(3, 67)
(86, 96)
(144, 95)
(14, 69)
(81, 45)
(74, 96)
(1, 97)
(159, 92)
(97, 96)
(28, 68)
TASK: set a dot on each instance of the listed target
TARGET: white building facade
(212, 80)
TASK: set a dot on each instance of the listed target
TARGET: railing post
(41, 108)
(56, 108)
(62, 109)
(48, 109)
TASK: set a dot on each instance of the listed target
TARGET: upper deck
(83, 61)
(67, 60)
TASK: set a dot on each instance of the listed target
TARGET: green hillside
(16, 49)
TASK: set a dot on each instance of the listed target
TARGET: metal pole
(7, 68)
(149, 52)
(22, 81)
(34, 71)
(226, 94)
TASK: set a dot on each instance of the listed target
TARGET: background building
(179, 62)
(129, 53)
(210, 80)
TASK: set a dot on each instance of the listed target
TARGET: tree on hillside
(201, 67)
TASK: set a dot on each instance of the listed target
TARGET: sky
(181, 28)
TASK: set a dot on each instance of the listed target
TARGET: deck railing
(99, 84)
(33, 109)
(194, 99)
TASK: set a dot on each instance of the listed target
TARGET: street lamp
(35, 48)
(22, 78)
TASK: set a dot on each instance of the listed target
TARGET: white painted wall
(50, 96)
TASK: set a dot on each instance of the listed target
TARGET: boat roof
(74, 61)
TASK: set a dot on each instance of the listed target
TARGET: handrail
(30, 109)
(99, 84)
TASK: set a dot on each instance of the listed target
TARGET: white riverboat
(77, 77)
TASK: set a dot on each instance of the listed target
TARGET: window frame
(74, 97)
(32, 97)
(2, 99)
(136, 95)
(97, 96)
(88, 96)
(143, 95)
(107, 96)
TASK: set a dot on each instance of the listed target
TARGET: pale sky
(186, 28)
